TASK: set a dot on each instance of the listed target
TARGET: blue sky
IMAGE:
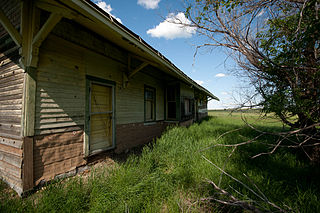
(147, 18)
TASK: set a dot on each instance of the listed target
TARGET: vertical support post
(27, 29)
(27, 172)
(29, 101)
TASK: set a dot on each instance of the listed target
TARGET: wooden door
(101, 117)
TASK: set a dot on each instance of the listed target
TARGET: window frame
(149, 88)
(189, 107)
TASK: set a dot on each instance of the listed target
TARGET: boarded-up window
(149, 104)
(101, 121)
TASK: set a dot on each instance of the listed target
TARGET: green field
(171, 175)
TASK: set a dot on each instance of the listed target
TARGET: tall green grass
(170, 175)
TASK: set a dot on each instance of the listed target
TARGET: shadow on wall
(60, 114)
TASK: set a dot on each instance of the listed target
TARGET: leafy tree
(277, 45)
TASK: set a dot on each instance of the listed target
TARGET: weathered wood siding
(64, 63)
(11, 89)
(105, 60)
(186, 91)
(129, 100)
(11, 162)
(60, 94)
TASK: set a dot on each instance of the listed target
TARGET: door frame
(103, 82)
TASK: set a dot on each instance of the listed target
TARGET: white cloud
(220, 75)
(199, 82)
(149, 4)
(224, 93)
(106, 7)
(173, 27)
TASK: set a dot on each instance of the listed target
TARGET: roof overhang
(97, 20)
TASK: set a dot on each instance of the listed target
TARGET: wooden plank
(10, 112)
(29, 102)
(63, 119)
(11, 97)
(10, 150)
(50, 171)
(13, 170)
(61, 81)
(60, 104)
(7, 61)
(10, 119)
(13, 127)
(140, 67)
(61, 110)
(10, 73)
(58, 130)
(11, 78)
(11, 92)
(11, 88)
(61, 71)
(13, 66)
(27, 177)
(59, 139)
(56, 8)
(11, 107)
(59, 142)
(10, 133)
(60, 115)
(58, 125)
(61, 60)
(11, 142)
(13, 181)
(55, 154)
(11, 159)
(53, 19)
(10, 28)
(75, 99)
(15, 81)
(11, 102)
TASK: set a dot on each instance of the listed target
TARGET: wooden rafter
(52, 7)
(5, 22)
(53, 19)
(140, 67)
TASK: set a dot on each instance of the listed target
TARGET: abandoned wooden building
(74, 82)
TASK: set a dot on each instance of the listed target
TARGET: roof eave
(107, 19)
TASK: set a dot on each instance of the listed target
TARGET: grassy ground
(170, 175)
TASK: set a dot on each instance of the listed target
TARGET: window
(187, 107)
(171, 102)
(149, 104)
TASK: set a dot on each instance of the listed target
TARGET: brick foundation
(55, 154)
(135, 134)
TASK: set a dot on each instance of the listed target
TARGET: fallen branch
(233, 201)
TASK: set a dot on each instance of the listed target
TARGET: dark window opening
(149, 104)
(171, 102)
